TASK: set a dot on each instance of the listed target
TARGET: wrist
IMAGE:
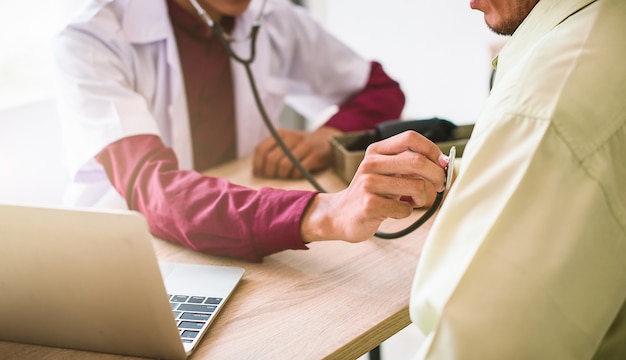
(328, 131)
(315, 225)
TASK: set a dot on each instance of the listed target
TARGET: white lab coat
(121, 76)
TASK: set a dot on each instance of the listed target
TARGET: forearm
(204, 213)
(380, 100)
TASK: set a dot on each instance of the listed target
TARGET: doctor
(148, 94)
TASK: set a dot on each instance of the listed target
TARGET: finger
(396, 209)
(407, 164)
(413, 141)
(378, 207)
(312, 161)
(423, 194)
(260, 154)
(271, 153)
(272, 159)
(415, 192)
(286, 167)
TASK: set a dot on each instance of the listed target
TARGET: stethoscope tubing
(219, 32)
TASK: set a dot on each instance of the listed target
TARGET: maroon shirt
(211, 214)
(208, 86)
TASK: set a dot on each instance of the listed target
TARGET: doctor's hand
(312, 149)
(403, 166)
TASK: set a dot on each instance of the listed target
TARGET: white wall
(31, 155)
(31, 166)
(438, 50)
(26, 66)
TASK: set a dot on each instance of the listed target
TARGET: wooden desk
(336, 300)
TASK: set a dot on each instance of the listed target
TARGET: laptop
(89, 280)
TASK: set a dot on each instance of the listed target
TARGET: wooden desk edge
(374, 337)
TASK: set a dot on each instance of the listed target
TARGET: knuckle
(370, 203)
(274, 157)
(368, 182)
(285, 162)
(418, 160)
(408, 135)
(369, 164)
(371, 148)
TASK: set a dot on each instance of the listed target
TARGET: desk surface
(336, 300)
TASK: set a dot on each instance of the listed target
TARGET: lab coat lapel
(177, 110)
(151, 23)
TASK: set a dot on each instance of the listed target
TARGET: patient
(526, 257)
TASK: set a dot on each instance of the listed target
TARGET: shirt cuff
(277, 224)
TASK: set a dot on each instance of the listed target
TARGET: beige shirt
(527, 257)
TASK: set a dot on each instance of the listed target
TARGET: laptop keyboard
(192, 314)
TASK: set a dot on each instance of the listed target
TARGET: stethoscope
(226, 39)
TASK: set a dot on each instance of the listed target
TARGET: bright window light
(27, 70)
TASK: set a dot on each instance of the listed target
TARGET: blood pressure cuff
(435, 129)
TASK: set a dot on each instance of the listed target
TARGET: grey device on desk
(348, 149)
(90, 280)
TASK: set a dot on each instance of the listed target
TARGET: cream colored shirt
(527, 257)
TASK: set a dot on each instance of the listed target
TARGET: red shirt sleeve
(381, 100)
(206, 214)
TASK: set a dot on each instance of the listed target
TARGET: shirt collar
(192, 24)
(148, 20)
(145, 20)
(544, 17)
